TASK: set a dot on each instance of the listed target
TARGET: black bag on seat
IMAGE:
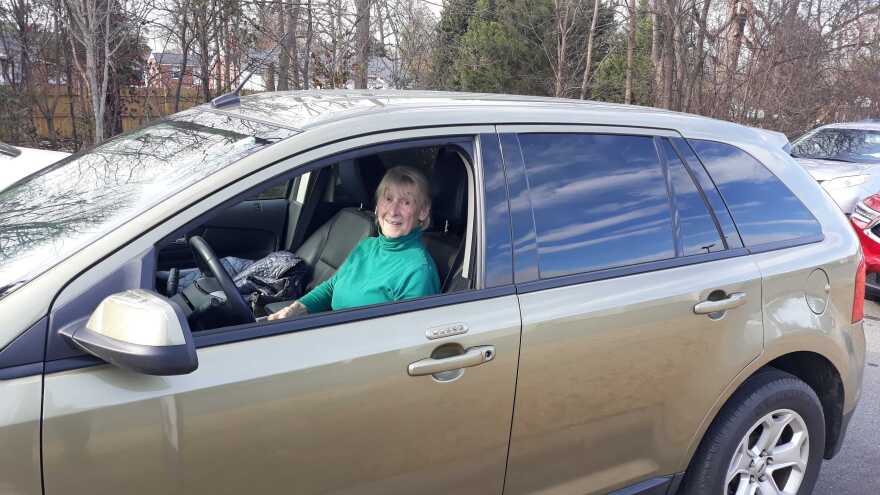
(279, 276)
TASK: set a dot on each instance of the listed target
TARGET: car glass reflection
(599, 201)
(698, 232)
(48, 216)
(764, 209)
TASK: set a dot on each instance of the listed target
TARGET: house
(165, 69)
(10, 52)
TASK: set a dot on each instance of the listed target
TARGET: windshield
(48, 216)
(845, 145)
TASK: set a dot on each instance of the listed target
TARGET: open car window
(330, 210)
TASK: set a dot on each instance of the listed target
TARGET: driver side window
(322, 243)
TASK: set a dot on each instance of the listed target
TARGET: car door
(621, 358)
(321, 404)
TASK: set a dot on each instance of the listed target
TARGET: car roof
(868, 125)
(305, 110)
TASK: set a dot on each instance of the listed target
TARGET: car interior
(319, 216)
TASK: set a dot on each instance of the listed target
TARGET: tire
(733, 456)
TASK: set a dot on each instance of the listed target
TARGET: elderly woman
(391, 267)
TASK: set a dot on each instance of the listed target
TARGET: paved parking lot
(856, 470)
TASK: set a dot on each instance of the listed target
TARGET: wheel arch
(816, 370)
(824, 378)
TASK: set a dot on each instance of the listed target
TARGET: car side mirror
(141, 331)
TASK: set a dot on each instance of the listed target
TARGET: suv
(634, 301)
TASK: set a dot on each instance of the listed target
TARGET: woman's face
(398, 210)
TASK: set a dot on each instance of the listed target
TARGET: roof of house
(9, 46)
(169, 58)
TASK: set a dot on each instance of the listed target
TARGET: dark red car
(865, 220)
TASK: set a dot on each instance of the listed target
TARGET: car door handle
(474, 356)
(733, 300)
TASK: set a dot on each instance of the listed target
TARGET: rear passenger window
(599, 201)
(697, 230)
(764, 209)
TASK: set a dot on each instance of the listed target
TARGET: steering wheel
(235, 306)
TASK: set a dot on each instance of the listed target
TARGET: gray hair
(408, 176)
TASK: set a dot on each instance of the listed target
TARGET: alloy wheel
(771, 458)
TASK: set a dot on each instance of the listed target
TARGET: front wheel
(767, 440)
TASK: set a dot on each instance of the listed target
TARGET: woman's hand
(295, 309)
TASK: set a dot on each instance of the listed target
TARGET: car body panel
(788, 318)
(328, 410)
(615, 375)
(846, 198)
(20, 470)
(122, 432)
(29, 161)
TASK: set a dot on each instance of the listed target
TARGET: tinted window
(764, 209)
(599, 201)
(695, 225)
(698, 172)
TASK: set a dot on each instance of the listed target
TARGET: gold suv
(629, 301)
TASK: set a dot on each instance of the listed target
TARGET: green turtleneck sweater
(378, 270)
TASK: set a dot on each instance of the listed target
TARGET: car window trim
(689, 161)
(523, 230)
(672, 201)
(587, 129)
(787, 243)
(658, 141)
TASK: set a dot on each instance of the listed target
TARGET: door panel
(329, 410)
(249, 230)
(616, 375)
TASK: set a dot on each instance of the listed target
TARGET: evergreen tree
(454, 21)
(610, 75)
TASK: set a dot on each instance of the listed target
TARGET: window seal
(696, 183)
(788, 243)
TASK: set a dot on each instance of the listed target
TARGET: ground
(856, 469)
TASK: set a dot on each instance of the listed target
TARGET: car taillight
(858, 309)
(867, 212)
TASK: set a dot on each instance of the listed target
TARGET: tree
(454, 22)
(98, 30)
(362, 40)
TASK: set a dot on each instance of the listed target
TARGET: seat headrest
(360, 178)
(448, 189)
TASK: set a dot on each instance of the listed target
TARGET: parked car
(866, 222)
(17, 162)
(674, 304)
(844, 158)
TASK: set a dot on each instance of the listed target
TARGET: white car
(844, 159)
(17, 162)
